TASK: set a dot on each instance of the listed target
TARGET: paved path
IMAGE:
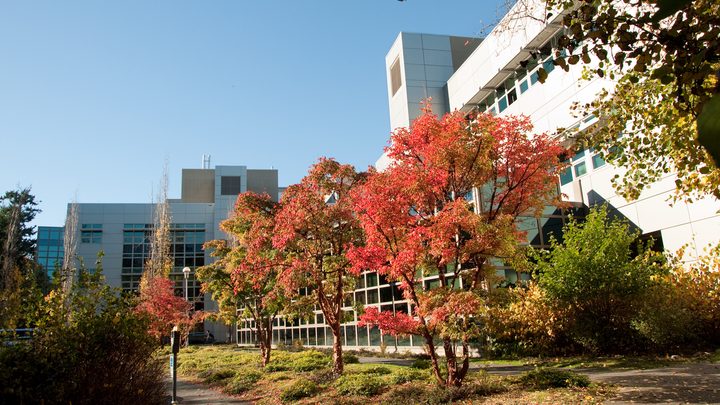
(694, 383)
(191, 393)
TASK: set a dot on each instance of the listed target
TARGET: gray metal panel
(198, 185)
(461, 48)
(263, 181)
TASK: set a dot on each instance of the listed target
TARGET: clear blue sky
(96, 95)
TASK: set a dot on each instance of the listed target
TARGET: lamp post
(174, 348)
(186, 274)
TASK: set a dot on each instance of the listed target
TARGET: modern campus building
(500, 77)
(123, 231)
(492, 75)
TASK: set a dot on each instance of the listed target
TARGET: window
(91, 233)
(502, 104)
(534, 78)
(230, 185)
(580, 169)
(395, 76)
(598, 161)
(578, 155)
(566, 176)
(523, 86)
(372, 279)
(512, 96)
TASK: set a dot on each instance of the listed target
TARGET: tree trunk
(451, 360)
(465, 364)
(264, 334)
(430, 349)
(337, 351)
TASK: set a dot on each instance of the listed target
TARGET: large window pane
(372, 296)
(580, 169)
(351, 335)
(362, 334)
(598, 161)
(386, 294)
(374, 336)
(566, 176)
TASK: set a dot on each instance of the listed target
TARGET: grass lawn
(306, 377)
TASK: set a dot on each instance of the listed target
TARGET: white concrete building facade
(500, 76)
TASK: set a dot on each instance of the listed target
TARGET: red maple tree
(315, 227)
(253, 264)
(445, 206)
(165, 310)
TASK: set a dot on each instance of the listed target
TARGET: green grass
(509, 362)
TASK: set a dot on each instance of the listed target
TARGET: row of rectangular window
(50, 235)
(580, 168)
(520, 80)
(172, 226)
(93, 236)
(351, 335)
(43, 250)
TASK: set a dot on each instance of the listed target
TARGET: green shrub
(214, 376)
(103, 353)
(406, 375)
(303, 361)
(407, 394)
(349, 358)
(377, 370)
(299, 389)
(412, 394)
(278, 376)
(359, 384)
(596, 273)
(421, 364)
(297, 345)
(483, 384)
(322, 376)
(543, 378)
(243, 381)
(309, 360)
(188, 367)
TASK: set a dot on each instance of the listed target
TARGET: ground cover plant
(306, 376)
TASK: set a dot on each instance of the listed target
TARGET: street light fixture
(186, 274)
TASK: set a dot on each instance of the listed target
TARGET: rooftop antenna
(206, 161)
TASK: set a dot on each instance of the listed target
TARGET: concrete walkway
(694, 383)
(686, 383)
(191, 393)
(691, 383)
